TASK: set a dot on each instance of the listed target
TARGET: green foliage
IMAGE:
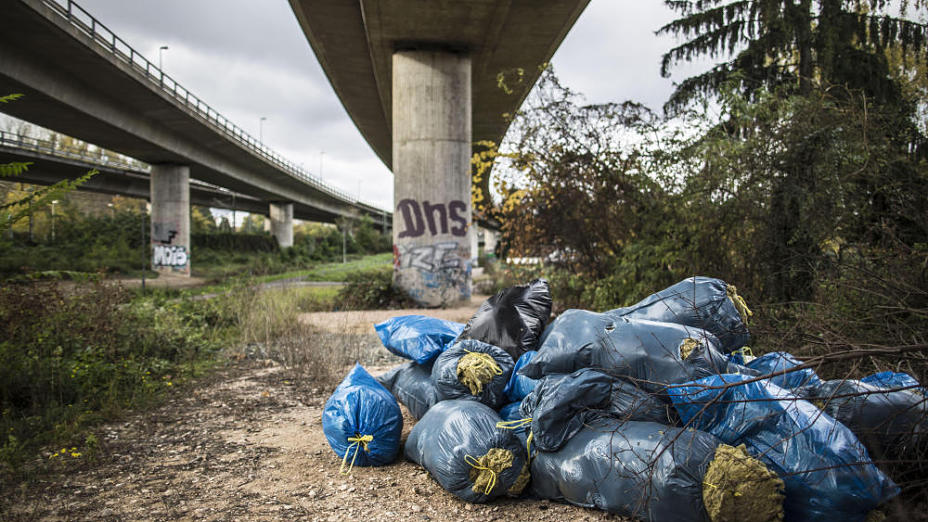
(10, 97)
(767, 200)
(372, 290)
(235, 241)
(792, 43)
(15, 168)
(70, 356)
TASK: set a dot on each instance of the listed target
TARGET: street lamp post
(160, 56)
(261, 129)
(54, 202)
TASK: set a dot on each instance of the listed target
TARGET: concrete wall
(431, 167)
(170, 219)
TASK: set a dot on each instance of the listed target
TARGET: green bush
(72, 355)
(372, 290)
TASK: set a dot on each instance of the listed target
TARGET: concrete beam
(282, 223)
(170, 218)
(431, 172)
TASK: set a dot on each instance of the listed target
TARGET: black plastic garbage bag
(654, 472)
(774, 362)
(891, 422)
(561, 404)
(473, 370)
(701, 302)
(412, 385)
(513, 319)
(460, 445)
(362, 421)
(519, 385)
(827, 471)
(417, 337)
(650, 354)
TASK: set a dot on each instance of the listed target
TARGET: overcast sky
(249, 59)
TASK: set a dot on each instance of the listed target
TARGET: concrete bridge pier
(431, 169)
(170, 218)
(282, 223)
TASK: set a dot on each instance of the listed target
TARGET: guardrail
(53, 148)
(106, 40)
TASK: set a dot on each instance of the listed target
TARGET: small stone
(313, 493)
(343, 487)
(469, 507)
(415, 508)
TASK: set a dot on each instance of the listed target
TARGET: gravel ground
(246, 443)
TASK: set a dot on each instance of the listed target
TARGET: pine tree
(793, 43)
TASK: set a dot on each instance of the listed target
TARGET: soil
(246, 443)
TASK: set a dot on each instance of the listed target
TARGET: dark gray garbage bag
(412, 385)
(460, 445)
(891, 423)
(513, 319)
(561, 404)
(520, 427)
(701, 302)
(650, 354)
(653, 472)
(473, 370)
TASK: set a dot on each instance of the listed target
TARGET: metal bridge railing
(79, 18)
(53, 148)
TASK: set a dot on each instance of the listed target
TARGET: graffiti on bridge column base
(173, 256)
(416, 218)
(439, 267)
(164, 254)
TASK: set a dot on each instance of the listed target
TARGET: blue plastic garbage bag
(362, 421)
(460, 445)
(827, 471)
(562, 404)
(513, 319)
(519, 385)
(412, 385)
(778, 361)
(701, 302)
(892, 422)
(894, 380)
(650, 354)
(635, 469)
(473, 370)
(417, 337)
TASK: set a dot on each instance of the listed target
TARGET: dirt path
(361, 321)
(247, 444)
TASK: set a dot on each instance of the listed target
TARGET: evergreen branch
(40, 198)
(16, 168)
(711, 43)
(711, 20)
(10, 97)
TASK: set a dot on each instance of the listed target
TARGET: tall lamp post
(161, 56)
(54, 202)
(261, 129)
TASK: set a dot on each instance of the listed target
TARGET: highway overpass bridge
(82, 80)
(420, 79)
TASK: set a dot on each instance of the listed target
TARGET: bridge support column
(170, 218)
(282, 223)
(431, 172)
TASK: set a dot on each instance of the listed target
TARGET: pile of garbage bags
(656, 411)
